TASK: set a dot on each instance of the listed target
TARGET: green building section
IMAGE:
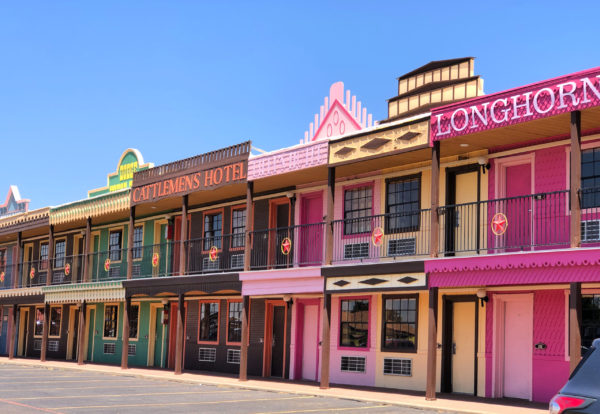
(150, 330)
(130, 162)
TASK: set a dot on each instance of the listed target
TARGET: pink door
(518, 210)
(518, 338)
(311, 231)
(310, 340)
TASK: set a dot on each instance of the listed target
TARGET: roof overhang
(84, 292)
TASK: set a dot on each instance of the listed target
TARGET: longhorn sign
(32, 273)
(286, 246)
(107, 265)
(155, 258)
(67, 269)
(499, 224)
(213, 253)
(377, 236)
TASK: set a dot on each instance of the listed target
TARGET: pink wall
(352, 378)
(277, 282)
(287, 160)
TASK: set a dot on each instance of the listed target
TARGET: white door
(518, 334)
(310, 343)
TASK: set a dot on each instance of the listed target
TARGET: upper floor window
(2, 260)
(213, 230)
(238, 226)
(138, 239)
(403, 201)
(114, 245)
(358, 203)
(43, 256)
(590, 178)
(59, 253)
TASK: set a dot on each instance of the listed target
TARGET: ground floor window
(234, 322)
(110, 321)
(134, 315)
(399, 323)
(55, 320)
(354, 323)
(39, 321)
(590, 319)
(209, 322)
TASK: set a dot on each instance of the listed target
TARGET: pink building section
(337, 376)
(281, 281)
(288, 160)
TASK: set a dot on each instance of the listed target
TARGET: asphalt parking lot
(34, 390)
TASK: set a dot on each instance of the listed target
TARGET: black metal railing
(8, 272)
(508, 224)
(156, 260)
(385, 237)
(108, 265)
(219, 253)
(590, 215)
(284, 247)
(67, 269)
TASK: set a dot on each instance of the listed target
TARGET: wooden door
(90, 332)
(518, 331)
(311, 233)
(463, 352)
(461, 217)
(519, 209)
(275, 339)
(23, 332)
(279, 222)
(310, 343)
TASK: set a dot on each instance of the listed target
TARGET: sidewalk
(417, 400)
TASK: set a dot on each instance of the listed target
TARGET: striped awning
(10, 293)
(11, 223)
(89, 292)
(114, 202)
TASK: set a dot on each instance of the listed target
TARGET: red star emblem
(212, 254)
(377, 236)
(67, 269)
(155, 260)
(499, 224)
(286, 246)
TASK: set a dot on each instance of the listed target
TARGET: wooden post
(50, 256)
(329, 216)
(130, 243)
(432, 345)
(179, 346)
(125, 350)
(184, 237)
(574, 325)
(16, 272)
(248, 243)
(435, 200)
(12, 331)
(45, 333)
(245, 336)
(81, 334)
(88, 245)
(575, 179)
(325, 342)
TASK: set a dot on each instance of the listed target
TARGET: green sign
(130, 162)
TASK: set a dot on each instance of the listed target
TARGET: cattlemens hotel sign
(204, 172)
(540, 100)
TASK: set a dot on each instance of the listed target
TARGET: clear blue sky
(80, 81)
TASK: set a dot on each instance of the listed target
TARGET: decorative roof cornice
(117, 201)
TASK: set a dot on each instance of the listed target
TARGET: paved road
(37, 390)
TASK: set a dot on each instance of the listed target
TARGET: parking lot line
(90, 380)
(184, 403)
(53, 397)
(314, 410)
(93, 387)
(45, 410)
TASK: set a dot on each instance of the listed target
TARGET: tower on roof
(437, 83)
(14, 203)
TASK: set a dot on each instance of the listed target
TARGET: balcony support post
(12, 331)
(325, 341)
(88, 245)
(125, 350)
(432, 345)
(245, 337)
(575, 179)
(574, 325)
(435, 196)
(81, 334)
(179, 340)
(45, 333)
(184, 236)
(50, 256)
(248, 235)
(16, 272)
(329, 216)
(130, 243)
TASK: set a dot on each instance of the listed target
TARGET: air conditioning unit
(37, 345)
(590, 230)
(397, 366)
(131, 349)
(110, 348)
(356, 251)
(53, 346)
(237, 261)
(136, 270)
(114, 272)
(207, 354)
(233, 356)
(353, 364)
(211, 266)
(402, 247)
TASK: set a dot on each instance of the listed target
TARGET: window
(38, 329)
(357, 205)
(590, 178)
(238, 227)
(2, 270)
(354, 325)
(213, 227)
(403, 204)
(43, 256)
(55, 319)
(234, 322)
(590, 319)
(114, 245)
(59, 253)
(400, 323)
(209, 322)
(138, 239)
(134, 314)
(110, 321)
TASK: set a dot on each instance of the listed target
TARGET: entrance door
(310, 343)
(23, 332)
(279, 222)
(459, 338)
(27, 265)
(311, 234)
(517, 179)
(461, 217)
(275, 339)
(156, 351)
(91, 330)
(73, 333)
(516, 343)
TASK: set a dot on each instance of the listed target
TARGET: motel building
(450, 247)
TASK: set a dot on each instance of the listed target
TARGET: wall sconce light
(292, 196)
(288, 299)
(482, 296)
(483, 163)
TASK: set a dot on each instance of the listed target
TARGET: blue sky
(80, 81)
